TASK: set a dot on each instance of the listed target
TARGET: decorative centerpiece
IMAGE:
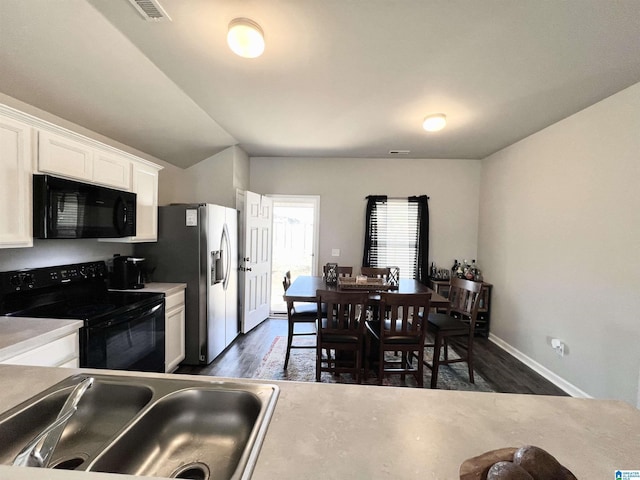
(361, 282)
(331, 273)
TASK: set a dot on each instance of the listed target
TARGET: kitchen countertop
(156, 287)
(333, 431)
(18, 335)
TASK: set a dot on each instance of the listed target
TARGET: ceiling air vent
(150, 10)
(399, 152)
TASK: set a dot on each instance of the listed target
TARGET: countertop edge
(437, 429)
(47, 330)
(157, 287)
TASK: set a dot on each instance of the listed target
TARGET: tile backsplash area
(46, 253)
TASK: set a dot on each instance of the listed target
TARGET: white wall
(559, 237)
(343, 184)
(214, 179)
(172, 185)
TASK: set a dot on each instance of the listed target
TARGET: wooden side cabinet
(484, 310)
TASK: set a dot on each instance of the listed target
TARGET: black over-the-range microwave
(69, 209)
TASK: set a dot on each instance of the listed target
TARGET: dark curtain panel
(370, 232)
(422, 272)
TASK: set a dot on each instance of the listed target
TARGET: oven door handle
(133, 315)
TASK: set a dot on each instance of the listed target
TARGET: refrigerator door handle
(227, 253)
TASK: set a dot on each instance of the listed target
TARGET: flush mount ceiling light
(245, 38)
(435, 122)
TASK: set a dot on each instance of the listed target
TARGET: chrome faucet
(38, 451)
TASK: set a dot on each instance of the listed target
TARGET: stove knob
(16, 281)
(27, 279)
(83, 272)
(99, 270)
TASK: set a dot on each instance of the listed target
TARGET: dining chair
(342, 271)
(297, 313)
(340, 332)
(402, 331)
(457, 323)
(376, 272)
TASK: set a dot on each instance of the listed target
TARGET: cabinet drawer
(173, 301)
(53, 354)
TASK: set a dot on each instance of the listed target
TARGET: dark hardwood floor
(500, 369)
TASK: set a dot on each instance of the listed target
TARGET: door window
(295, 234)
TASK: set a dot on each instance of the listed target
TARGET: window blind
(396, 242)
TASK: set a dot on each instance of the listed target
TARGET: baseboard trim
(557, 380)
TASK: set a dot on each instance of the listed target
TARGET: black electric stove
(122, 330)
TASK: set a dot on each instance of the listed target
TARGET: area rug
(302, 368)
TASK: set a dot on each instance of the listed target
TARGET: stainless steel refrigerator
(198, 245)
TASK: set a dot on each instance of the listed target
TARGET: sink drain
(192, 471)
(70, 463)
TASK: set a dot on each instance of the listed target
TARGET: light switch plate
(335, 252)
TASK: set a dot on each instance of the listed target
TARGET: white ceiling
(339, 78)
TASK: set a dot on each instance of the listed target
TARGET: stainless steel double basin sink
(149, 426)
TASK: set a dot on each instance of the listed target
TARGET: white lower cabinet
(62, 352)
(174, 331)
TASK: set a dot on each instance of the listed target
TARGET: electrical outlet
(335, 252)
(558, 346)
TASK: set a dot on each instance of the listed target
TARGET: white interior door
(255, 259)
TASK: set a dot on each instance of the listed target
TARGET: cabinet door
(63, 351)
(15, 184)
(112, 170)
(63, 156)
(145, 184)
(174, 338)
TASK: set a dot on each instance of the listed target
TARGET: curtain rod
(397, 198)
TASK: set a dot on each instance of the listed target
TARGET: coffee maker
(127, 273)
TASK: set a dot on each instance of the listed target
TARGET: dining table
(304, 287)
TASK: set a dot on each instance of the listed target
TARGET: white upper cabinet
(111, 170)
(145, 185)
(144, 181)
(67, 157)
(64, 156)
(30, 145)
(15, 183)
